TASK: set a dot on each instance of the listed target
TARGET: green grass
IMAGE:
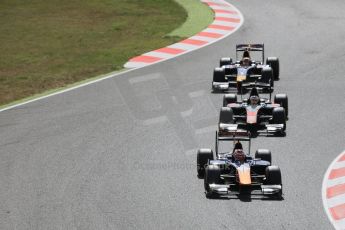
(59, 89)
(48, 45)
(199, 17)
(51, 43)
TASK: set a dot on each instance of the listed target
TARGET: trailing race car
(247, 71)
(234, 172)
(254, 114)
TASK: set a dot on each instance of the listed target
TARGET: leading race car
(236, 172)
(247, 71)
(255, 114)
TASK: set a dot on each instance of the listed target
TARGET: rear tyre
(225, 61)
(228, 99)
(267, 76)
(274, 63)
(282, 99)
(212, 176)
(219, 75)
(202, 159)
(279, 117)
(226, 116)
(264, 154)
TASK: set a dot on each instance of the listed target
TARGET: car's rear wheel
(202, 159)
(226, 115)
(219, 75)
(279, 117)
(282, 99)
(274, 63)
(264, 154)
(229, 98)
(267, 76)
(225, 61)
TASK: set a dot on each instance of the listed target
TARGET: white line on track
(155, 120)
(144, 78)
(191, 152)
(198, 93)
(208, 129)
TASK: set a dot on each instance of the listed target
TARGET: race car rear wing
(233, 135)
(227, 86)
(250, 47)
(260, 86)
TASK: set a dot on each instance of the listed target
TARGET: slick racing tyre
(274, 63)
(226, 116)
(282, 99)
(212, 176)
(273, 177)
(228, 99)
(267, 76)
(202, 159)
(263, 154)
(219, 75)
(225, 61)
(279, 117)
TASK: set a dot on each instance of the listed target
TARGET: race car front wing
(230, 129)
(225, 189)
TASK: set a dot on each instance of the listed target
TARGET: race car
(255, 114)
(235, 172)
(247, 71)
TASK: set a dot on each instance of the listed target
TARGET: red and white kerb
(226, 21)
(333, 192)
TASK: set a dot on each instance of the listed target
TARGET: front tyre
(212, 176)
(202, 159)
(273, 177)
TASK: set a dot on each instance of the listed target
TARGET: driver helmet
(254, 100)
(239, 155)
(246, 61)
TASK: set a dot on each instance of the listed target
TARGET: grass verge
(48, 46)
(199, 17)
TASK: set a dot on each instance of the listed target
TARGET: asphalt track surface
(120, 154)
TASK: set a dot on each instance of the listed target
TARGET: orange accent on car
(244, 175)
(251, 117)
(241, 77)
